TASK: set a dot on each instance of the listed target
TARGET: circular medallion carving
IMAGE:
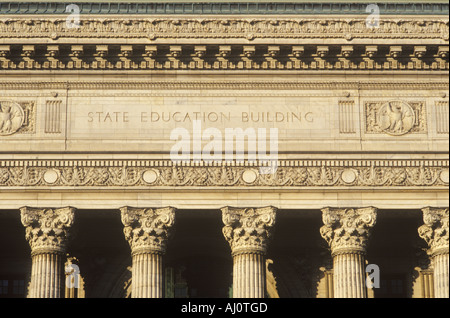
(348, 176)
(249, 176)
(11, 117)
(50, 176)
(150, 176)
(444, 176)
(396, 118)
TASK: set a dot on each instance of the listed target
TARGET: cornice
(213, 58)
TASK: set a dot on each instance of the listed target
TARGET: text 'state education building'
(93, 204)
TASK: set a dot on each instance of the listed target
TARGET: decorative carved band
(47, 230)
(435, 230)
(147, 230)
(155, 27)
(290, 173)
(248, 230)
(224, 7)
(347, 230)
(235, 85)
(214, 57)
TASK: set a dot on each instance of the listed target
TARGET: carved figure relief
(11, 117)
(395, 117)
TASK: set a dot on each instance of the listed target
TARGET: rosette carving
(435, 229)
(147, 230)
(47, 230)
(248, 229)
(347, 229)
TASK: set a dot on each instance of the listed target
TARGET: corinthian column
(347, 232)
(247, 230)
(435, 233)
(47, 232)
(147, 231)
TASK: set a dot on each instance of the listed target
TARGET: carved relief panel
(395, 117)
(17, 117)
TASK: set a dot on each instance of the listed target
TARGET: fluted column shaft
(435, 233)
(349, 276)
(249, 276)
(441, 286)
(46, 276)
(347, 231)
(147, 231)
(47, 234)
(147, 276)
(247, 230)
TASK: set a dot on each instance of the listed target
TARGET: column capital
(347, 230)
(47, 229)
(248, 229)
(147, 230)
(435, 229)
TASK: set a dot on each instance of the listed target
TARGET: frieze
(251, 28)
(290, 173)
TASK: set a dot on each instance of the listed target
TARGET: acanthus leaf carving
(347, 230)
(47, 229)
(435, 229)
(147, 230)
(248, 230)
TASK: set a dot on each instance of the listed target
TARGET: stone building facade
(353, 203)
